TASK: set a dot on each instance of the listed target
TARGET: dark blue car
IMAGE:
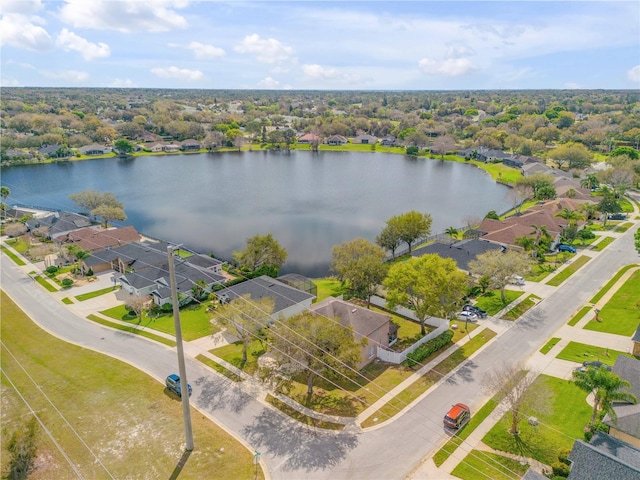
(173, 383)
(566, 248)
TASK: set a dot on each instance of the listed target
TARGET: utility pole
(184, 388)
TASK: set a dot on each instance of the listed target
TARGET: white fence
(385, 355)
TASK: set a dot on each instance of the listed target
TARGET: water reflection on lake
(308, 201)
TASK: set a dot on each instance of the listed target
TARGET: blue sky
(329, 45)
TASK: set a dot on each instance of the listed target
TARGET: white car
(467, 316)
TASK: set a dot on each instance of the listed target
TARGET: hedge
(430, 346)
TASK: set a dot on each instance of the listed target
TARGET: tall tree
(499, 267)
(261, 250)
(313, 345)
(431, 284)
(389, 237)
(109, 213)
(245, 318)
(590, 181)
(609, 204)
(360, 264)
(137, 304)
(412, 226)
(572, 155)
(123, 146)
(4, 194)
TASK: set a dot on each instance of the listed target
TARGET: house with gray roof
(635, 349)
(60, 223)
(461, 252)
(288, 301)
(626, 426)
(94, 149)
(365, 139)
(366, 324)
(604, 457)
(132, 257)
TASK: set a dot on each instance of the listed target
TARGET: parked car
(617, 216)
(458, 416)
(173, 383)
(516, 280)
(467, 316)
(592, 364)
(477, 310)
(566, 248)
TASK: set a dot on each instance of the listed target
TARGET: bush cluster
(427, 348)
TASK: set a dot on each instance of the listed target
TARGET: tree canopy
(432, 285)
(261, 250)
(500, 267)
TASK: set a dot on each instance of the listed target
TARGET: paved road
(292, 451)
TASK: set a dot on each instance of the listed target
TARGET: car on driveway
(592, 364)
(477, 310)
(467, 316)
(173, 383)
(457, 416)
(617, 216)
(566, 248)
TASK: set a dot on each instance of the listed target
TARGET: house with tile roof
(309, 138)
(366, 324)
(336, 140)
(96, 239)
(604, 457)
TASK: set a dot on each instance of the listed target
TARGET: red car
(458, 416)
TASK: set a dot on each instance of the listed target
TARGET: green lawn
(478, 464)
(329, 287)
(621, 314)
(18, 244)
(569, 270)
(602, 244)
(579, 316)
(45, 283)
(580, 352)
(119, 412)
(67, 301)
(417, 388)
(17, 260)
(549, 345)
(219, 368)
(559, 426)
(492, 303)
(232, 353)
(194, 321)
(624, 227)
(519, 310)
(540, 272)
(96, 293)
(596, 298)
(132, 330)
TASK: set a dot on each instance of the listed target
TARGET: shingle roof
(461, 252)
(267, 287)
(533, 475)
(60, 222)
(363, 320)
(94, 239)
(604, 457)
(138, 255)
(628, 369)
(636, 336)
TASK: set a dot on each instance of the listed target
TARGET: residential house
(59, 223)
(604, 457)
(132, 257)
(635, 349)
(149, 137)
(461, 252)
(171, 147)
(96, 239)
(626, 426)
(288, 301)
(388, 141)
(190, 145)
(365, 139)
(334, 140)
(94, 149)
(17, 154)
(50, 151)
(207, 263)
(309, 138)
(366, 324)
(156, 146)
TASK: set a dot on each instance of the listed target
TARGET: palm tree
(589, 209)
(606, 387)
(452, 232)
(571, 216)
(4, 194)
(527, 243)
(590, 181)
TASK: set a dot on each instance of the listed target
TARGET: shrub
(51, 270)
(560, 469)
(427, 348)
(166, 307)
(563, 456)
(90, 272)
(67, 282)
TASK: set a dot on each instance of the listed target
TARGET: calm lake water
(309, 201)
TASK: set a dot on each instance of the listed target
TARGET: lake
(309, 201)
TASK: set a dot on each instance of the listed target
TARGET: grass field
(45, 283)
(107, 416)
(130, 329)
(479, 464)
(621, 314)
(596, 298)
(580, 352)
(549, 345)
(579, 316)
(602, 244)
(17, 260)
(95, 293)
(328, 287)
(492, 303)
(519, 310)
(569, 270)
(561, 422)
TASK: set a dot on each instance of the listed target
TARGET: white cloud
(122, 83)
(203, 51)
(25, 7)
(318, 72)
(572, 86)
(267, 50)
(21, 32)
(130, 16)
(67, 75)
(179, 73)
(634, 74)
(89, 51)
(9, 82)
(459, 51)
(269, 83)
(451, 67)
